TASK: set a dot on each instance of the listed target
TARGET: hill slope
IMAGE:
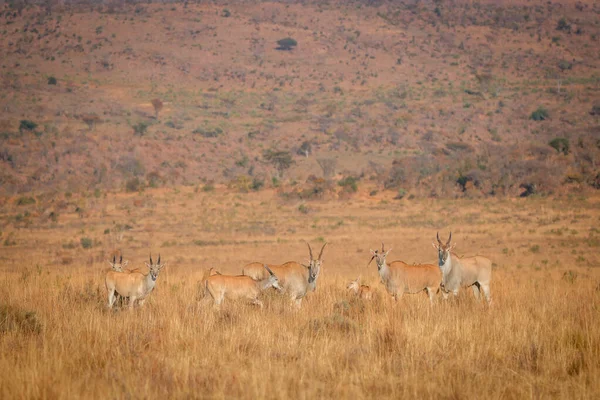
(434, 98)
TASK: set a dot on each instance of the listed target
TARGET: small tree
(540, 114)
(563, 25)
(91, 120)
(52, 80)
(286, 44)
(158, 106)
(560, 144)
(281, 160)
(27, 125)
(328, 166)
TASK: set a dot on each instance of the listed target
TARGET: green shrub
(27, 125)
(349, 183)
(209, 187)
(86, 243)
(561, 145)
(563, 25)
(140, 128)
(52, 80)
(286, 44)
(540, 114)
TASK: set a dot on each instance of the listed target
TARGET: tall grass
(541, 338)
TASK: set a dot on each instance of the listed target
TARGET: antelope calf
(239, 287)
(295, 278)
(135, 285)
(400, 277)
(361, 291)
(460, 272)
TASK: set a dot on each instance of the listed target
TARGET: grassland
(540, 339)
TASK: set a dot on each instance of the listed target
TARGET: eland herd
(296, 280)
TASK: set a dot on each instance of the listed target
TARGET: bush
(52, 81)
(27, 125)
(563, 25)
(226, 13)
(286, 44)
(257, 184)
(140, 128)
(561, 145)
(540, 114)
(133, 185)
(23, 201)
(86, 243)
(349, 183)
(564, 65)
(208, 133)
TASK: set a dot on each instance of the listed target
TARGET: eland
(463, 271)
(239, 287)
(295, 278)
(135, 285)
(400, 277)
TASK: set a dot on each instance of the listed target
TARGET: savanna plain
(540, 337)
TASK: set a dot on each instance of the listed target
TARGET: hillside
(436, 99)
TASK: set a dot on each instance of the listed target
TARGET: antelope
(463, 271)
(361, 291)
(135, 285)
(118, 266)
(295, 278)
(239, 287)
(400, 277)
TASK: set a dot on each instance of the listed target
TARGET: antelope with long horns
(400, 277)
(135, 285)
(295, 278)
(460, 272)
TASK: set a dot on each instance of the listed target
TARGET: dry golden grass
(540, 339)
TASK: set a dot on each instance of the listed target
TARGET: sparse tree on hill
(328, 166)
(281, 160)
(158, 106)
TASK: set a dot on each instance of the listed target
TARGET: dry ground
(540, 339)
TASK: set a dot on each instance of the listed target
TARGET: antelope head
(155, 268)
(314, 266)
(443, 249)
(379, 257)
(272, 280)
(118, 266)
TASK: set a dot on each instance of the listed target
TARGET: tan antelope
(295, 278)
(135, 285)
(463, 271)
(400, 277)
(118, 266)
(361, 291)
(239, 287)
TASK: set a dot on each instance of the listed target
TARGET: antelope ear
(148, 265)
(125, 263)
(111, 264)
(435, 246)
(373, 251)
